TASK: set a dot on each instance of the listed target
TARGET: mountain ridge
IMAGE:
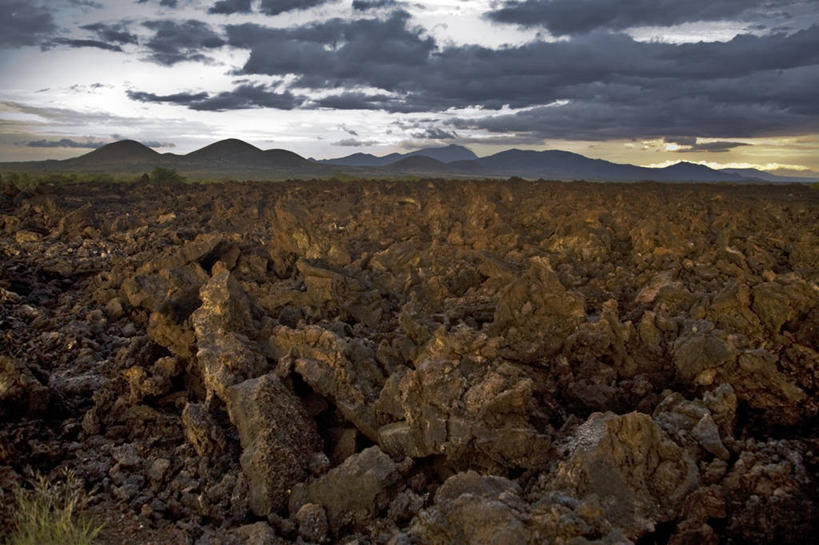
(235, 158)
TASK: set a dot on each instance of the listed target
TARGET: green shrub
(161, 175)
(51, 513)
(341, 176)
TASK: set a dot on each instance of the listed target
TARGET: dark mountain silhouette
(237, 154)
(684, 171)
(420, 163)
(559, 165)
(124, 151)
(794, 173)
(236, 159)
(446, 154)
(224, 150)
(363, 160)
(283, 158)
(564, 165)
(768, 177)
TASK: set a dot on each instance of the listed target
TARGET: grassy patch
(51, 513)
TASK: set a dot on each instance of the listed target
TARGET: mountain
(558, 165)
(239, 155)
(564, 165)
(685, 172)
(122, 152)
(811, 175)
(769, 177)
(363, 160)
(224, 150)
(446, 154)
(420, 164)
(235, 159)
(282, 158)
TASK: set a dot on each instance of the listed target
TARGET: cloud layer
(579, 16)
(581, 73)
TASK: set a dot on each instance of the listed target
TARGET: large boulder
(639, 475)
(342, 370)
(535, 313)
(771, 494)
(278, 439)
(353, 493)
(473, 415)
(472, 509)
(226, 353)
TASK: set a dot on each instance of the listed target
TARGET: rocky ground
(416, 363)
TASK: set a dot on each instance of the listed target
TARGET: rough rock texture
(21, 394)
(639, 476)
(278, 439)
(352, 493)
(430, 362)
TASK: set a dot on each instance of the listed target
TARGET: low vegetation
(30, 180)
(161, 175)
(52, 513)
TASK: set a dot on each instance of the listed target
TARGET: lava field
(432, 362)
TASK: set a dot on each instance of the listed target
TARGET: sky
(727, 83)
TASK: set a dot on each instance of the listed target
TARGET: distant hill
(786, 176)
(124, 151)
(235, 159)
(446, 154)
(564, 165)
(420, 163)
(684, 171)
(797, 174)
(363, 160)
(561, 165)
(225, 150)
(282, 158)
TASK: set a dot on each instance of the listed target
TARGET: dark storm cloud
(71, 42)
(369, 51)
(175, 41)
(165, 3)
(611, 85)
(112, 33)
(158, 144)
(435, 134)
(230, 6)
(609, 71)
(363, 5)
(24, 23)
(355, 100)
(690, 144)
(354, 143)
(275, 7)
(184, 99)
(681, 116)
(64, 143)
(577, 16)
(242, 97)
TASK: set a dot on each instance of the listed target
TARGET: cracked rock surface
(497, 362)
